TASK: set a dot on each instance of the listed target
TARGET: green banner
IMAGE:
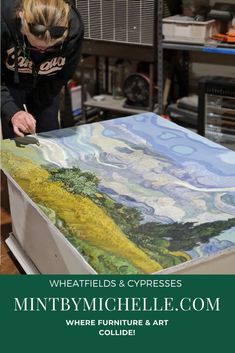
(190, 313)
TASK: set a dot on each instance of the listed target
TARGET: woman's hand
(23, 123)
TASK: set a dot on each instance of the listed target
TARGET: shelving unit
(199, 120)
(203, 47)
(183, 115)
(103, 43)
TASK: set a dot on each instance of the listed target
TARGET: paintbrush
(34, 134)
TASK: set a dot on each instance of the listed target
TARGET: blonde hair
(48, 13)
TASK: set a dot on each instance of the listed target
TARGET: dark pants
(46, 119)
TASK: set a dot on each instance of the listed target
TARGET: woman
(41, 41)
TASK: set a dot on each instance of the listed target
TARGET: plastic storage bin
(184, 29)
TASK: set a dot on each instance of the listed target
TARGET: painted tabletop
(133, 195)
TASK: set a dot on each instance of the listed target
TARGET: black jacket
(41, 81)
